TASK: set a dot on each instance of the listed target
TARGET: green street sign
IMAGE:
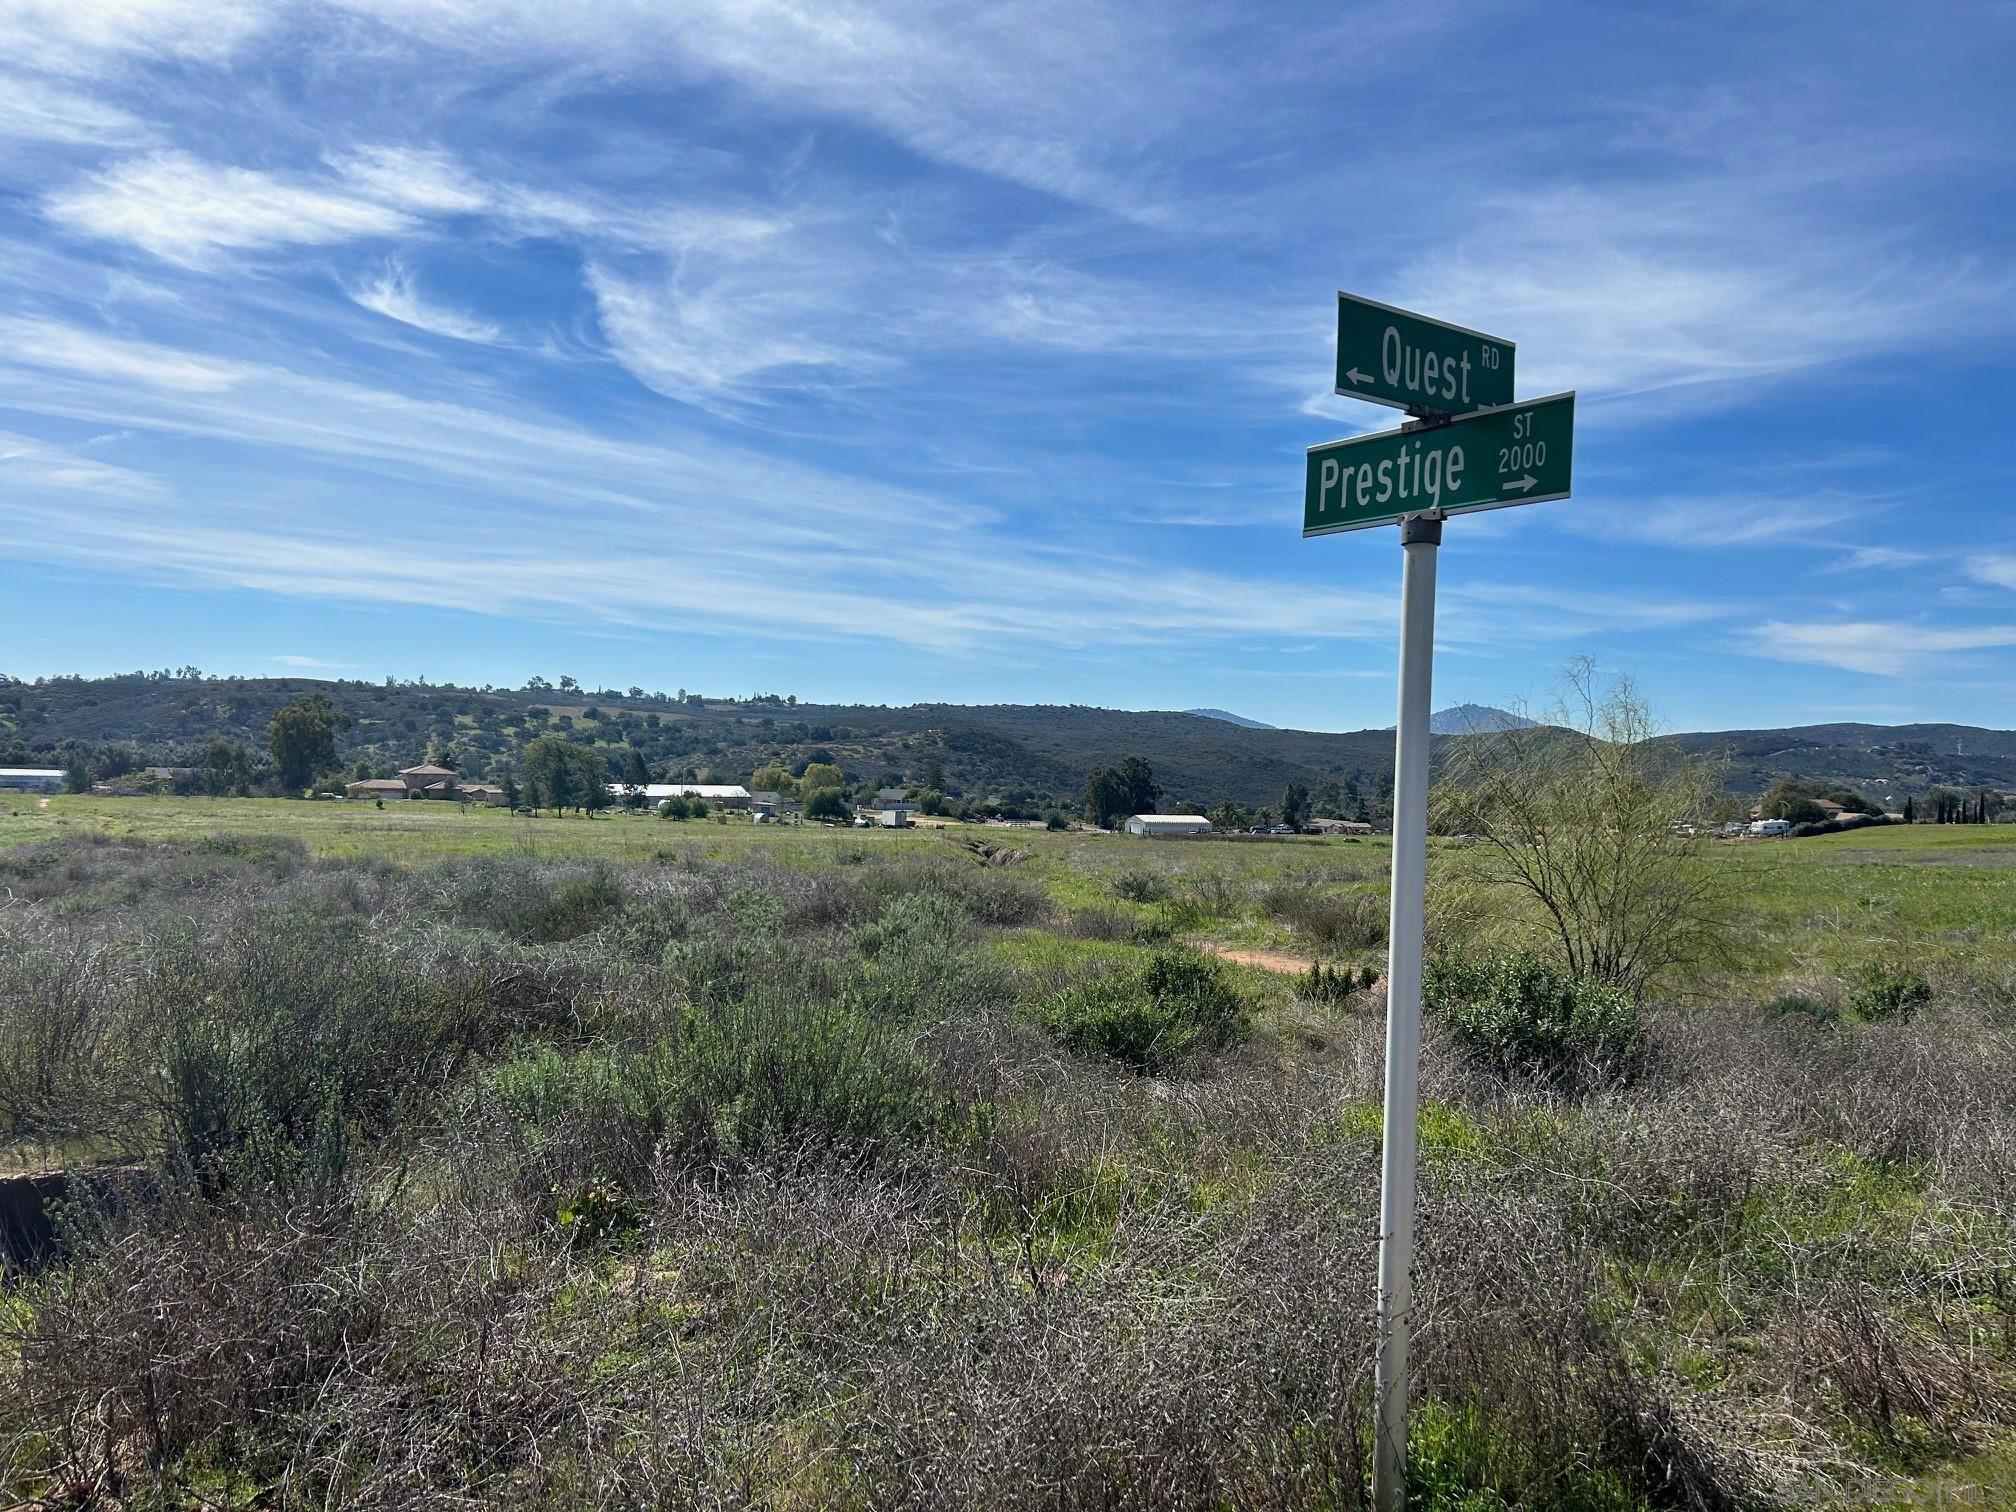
(1420, 365)
(1515, 454)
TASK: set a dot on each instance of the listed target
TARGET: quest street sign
(1413, 363)
(1515, 454)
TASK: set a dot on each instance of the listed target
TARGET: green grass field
(1932, 897)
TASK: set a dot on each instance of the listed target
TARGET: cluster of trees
(560, 774)
(1116, 792)
(1799, 799)
(1945, 805)
(1296, 810)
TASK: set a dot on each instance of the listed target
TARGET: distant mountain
(1238, 719)
(1476, 719)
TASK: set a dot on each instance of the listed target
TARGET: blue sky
(937, 352)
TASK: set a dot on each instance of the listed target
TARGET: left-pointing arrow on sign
(1356, 377)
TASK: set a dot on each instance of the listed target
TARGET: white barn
(32, 779)
(1168, 824)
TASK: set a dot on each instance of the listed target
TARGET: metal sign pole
(1419, 538)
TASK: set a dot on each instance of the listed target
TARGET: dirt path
(1267, 960)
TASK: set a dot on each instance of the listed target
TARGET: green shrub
(912, 922)
(1333, 919)
(1529, 1013)
(1884, 992)
(737, 1081)
(1802, 1005)
(595, 1213)
(282, 1032)
(1153, 1017)
(1333, 984)
(1138, 884)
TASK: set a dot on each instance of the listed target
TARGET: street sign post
(1515, 454)
(1470, 448)
(1426, 367)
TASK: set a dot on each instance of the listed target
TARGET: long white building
(31, 779)
(1168, 824)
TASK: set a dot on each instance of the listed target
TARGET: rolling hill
(1030, 754)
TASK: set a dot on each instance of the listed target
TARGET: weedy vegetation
(836, 1171)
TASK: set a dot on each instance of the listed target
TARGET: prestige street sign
(1426, 367)
(1514, 454)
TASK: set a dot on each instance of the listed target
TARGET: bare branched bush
(1583, 816)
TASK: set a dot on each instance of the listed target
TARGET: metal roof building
(1168, 824)
(31, 778)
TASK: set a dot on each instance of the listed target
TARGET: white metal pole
(1419, 539)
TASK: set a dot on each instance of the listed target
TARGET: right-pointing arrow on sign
(1519, 485)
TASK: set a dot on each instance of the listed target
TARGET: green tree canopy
(821, 774)
(826, 803)
(773, 779)
(1105, 797)
(1117, 791)
(226, 767)
(1295, 805)
(561, 774)
(1229, 816)
(302, 738)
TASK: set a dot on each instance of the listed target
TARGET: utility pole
(1420, 538)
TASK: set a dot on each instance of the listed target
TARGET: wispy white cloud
(1997, 569)
(392, 295)
(294, 660)
(1743, 520)
(27, 463)
(188, 211)
(425, 179)
(1875, 559)
(1644, 288)
(716, 340)
(85, 36)
(1882, 649)
(52, 344)
(34, 110)
(1051, 94)
(1489, 613)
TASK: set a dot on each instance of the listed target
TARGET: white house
(719, 794)
(1168, 824)
(32, 779)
